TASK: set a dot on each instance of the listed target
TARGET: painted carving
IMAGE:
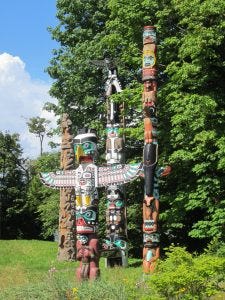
(151, 236)
(85, 148)
(79, 195)
(85, 180)
(116, 232)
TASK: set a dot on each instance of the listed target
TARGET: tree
(27, 208)
(14, 221)
(192, 108)
(78, 83)
(38, 126)
(43, 203)
(190, 99)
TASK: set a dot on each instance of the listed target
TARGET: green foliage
(216, 247)
(184, 276)
(49, 215)
(191, 109)
(42, 202)
(38, 126)
(78, 82)
(14, 219)
(30, 270)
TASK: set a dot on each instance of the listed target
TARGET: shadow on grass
(135, 264)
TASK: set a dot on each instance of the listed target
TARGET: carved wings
(59, 179)
(104, 176)
(118, 174)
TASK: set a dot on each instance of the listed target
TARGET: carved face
(149, 34)
(87, 220)
(112, 131)
(82, 238)
(115, 198)
(85, 146)
(151, 240)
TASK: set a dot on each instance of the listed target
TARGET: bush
(216, 247)
(184, 276)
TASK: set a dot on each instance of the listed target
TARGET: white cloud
(21, 97)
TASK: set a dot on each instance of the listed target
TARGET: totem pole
(85, 148)
(115, 243)
(85, 180)
(151, 236)
(67, 232)
(151, 240)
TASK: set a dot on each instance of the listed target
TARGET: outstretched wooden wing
(59, 179)
(101, 176)
(118, 174)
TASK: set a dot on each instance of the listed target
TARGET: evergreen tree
(14, 221)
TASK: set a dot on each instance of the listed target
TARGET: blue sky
(25, 50)
(23, 32)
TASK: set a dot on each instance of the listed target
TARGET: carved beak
(79, 153)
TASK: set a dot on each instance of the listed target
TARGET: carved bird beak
(79, 153)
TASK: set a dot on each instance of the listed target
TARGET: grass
(30, 270)
(25, 267)
(23, 262)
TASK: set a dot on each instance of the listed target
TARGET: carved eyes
(90, 215)
(86, 145)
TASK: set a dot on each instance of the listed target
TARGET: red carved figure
(87, 254)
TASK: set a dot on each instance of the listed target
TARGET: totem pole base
(67, 247)
(111, 262)
(119, 260)
(88, 255)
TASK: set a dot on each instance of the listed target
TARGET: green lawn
(30, 270)
(23, 261)
(27, 272)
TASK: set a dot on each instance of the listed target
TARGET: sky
(25, 51)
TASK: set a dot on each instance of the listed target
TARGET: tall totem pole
(85, 180)
(115, 242)
(151, 250)
(67, 229)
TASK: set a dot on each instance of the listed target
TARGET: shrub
(216, 247)
(184, 276)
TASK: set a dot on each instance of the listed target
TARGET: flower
(52, 271)
(182, 290)
(75, 290)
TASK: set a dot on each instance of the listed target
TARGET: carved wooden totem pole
(67, 232)
(85, 180)
(85, 148)
(115, 242)
(151, 236)
(151, 199)
(79, 196)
